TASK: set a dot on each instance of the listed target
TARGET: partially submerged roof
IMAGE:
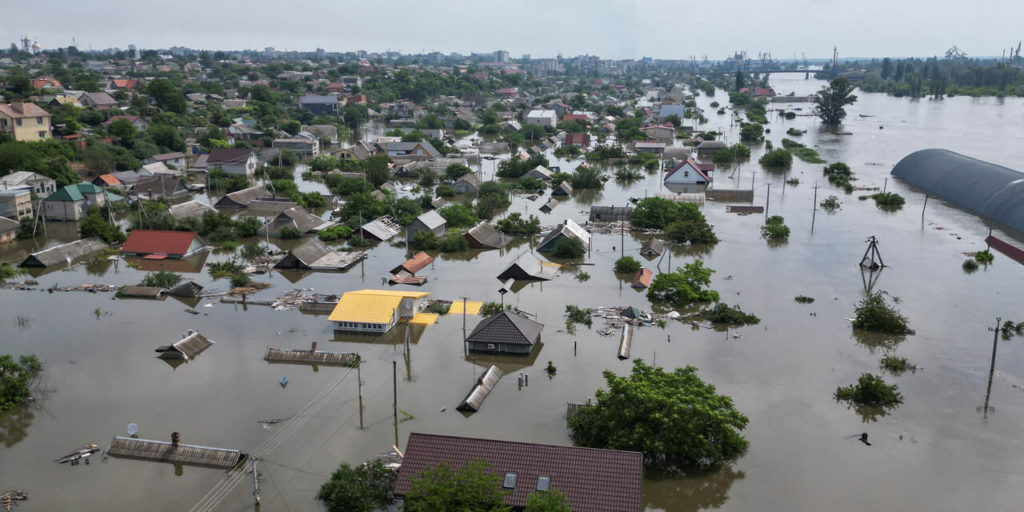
(241, 198)
(987, 189)
(371, 306)
(296, 217)
(506, 328)
(642, 278)
(382, 228)
(419, 261)
(483, 387)
(153, 241)
(484, 236)
(610, 213)
(64, 254)
(431, 219)
(194, 209)
(593, 480)
(188, 347)
(568, 229)
(529, 268)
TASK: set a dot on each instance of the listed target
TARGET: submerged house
(313, 254)
(157, 245)
(568, 229)
(419, 261)
(505, 333)
(375, 311)
(429, 221)
(484, 236)
(295, 217)
(690, 172)
(72, 202)
(64, 254)
(190, 209)
(610, 213)
(383, 228)
(652, 248)
(592, 479)
(528, 268)
(241, 198)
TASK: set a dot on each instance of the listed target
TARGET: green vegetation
(984, 257)
(793, 132)
(289, 233)
(723, 314)
(840, 175)
(222, 269)
(775, 229)
(17, 378)
(807, 154)
(751, 132)
(550, 368)
(239, 280)
(830, 101)
(515, 224)
(425, 241)
(576, 315)
(682, 222)
(970, 265)
(830, 204)
(7, 271)
(547, 501)
(252, 252)
(730, 154)
(491, 198)
(161, 279)
(582, 276)
(335, 233)
(627, 265)
(95, 224)
(458, 215)
(897, 365)
(794, 181)
(602, 153)
(628, 174)
(675, 419)
(870, 391)
(888, 200)
(803, 299)
(364, 488)
(515, 168)
(586, 176)
(777, 159)
(685, 286)
(874, 314)
(490, 308)
(453, 241)
(475, 487)
(568, 248)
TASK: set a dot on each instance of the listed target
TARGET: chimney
(18, 106)
(313, 349)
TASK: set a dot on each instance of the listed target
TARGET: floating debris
(74, 457)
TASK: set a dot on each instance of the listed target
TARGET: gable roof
(308, 253)
(192, 208)
(152, 241)
(27, 110)
(408, 147)
(168, 156)
(470, 178)
(98, 98)
(125, 83)
(220, 156)
(242, 198)
(109, 179)
(483, 235)
(160, 185)
(700, 169)
(506, 328)
(296, 217)
(431, 219)
(593, 480)
(75, 192)
(419, 261)
(382, 228)
(568, 228)
(62, 254)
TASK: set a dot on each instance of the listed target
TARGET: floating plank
(282, 355)
(483, 387)
(163, 451)
(1010, 251)
(626, 341)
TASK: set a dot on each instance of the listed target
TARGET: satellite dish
(133, 429)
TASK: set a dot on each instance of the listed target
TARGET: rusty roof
(592, 479)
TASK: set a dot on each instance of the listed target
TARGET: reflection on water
(14, 424)
(697, 490)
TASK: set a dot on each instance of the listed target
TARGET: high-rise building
(501, 56)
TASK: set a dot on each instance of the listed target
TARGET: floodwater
(938, 451)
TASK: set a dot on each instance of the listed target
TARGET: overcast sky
(672, 29)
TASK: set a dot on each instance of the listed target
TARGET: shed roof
(592, 479)
(370, 306)
(506, 328)
(987, 189)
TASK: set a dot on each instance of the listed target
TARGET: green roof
(77, 192)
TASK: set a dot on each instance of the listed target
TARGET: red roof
(111, 119)
(418, 262)
(642, 278)
(574, 117)
(702, 169)
(39, 83)
(125, 83)
(582, 139)
(359, 98)
(109, 179)
(146, 241)
(593, 480)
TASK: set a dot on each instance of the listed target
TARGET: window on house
(39, 120)
(490, 346)
(509, 482)
(543, 482)
(686, 174)
(17, 122)
(42, 134)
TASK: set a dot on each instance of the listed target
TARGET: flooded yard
(940, 450)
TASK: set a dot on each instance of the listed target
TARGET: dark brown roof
(593, 480)
(219, 156)
(506, 328)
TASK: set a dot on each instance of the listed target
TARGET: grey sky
(542, 28)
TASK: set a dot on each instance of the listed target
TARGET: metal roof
(483, 235)
(63, 254)
(592, 479)
(431, 220)
(483, 387)
(382, 228)
(987, 189)
(370, 306)
(569, 228)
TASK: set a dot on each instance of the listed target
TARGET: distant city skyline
(611, 29)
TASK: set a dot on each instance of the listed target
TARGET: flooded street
(938, 451)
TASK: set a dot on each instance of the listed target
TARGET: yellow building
(375, 311)
(26, 122)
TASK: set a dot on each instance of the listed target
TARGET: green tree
(166, 95)
(586, 176)
(124, 132)
(161, 279)
(547, 501)
(95, 224)
(568, 247)
(741, 80)
(627, 265)
(676, 419)
(364, 488)
(458, 216)
(16, 379)
(441, 488)
(166, 137)
(456, 171)
(685, 286)
(830, 101)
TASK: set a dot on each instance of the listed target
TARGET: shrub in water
(871, 391)
(874, 314)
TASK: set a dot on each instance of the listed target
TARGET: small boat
(79, 454)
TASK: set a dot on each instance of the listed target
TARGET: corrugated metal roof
(418, 262)
(483, 235)
(568, 228)
(62, 254)
(479, 393)
(593, 480)
(370, 306)
(383, 228)
(431, 220)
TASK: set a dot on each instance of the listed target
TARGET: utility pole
(767, 198)
(394, 384)
(992, 366)
(465, 349)
(359, 379)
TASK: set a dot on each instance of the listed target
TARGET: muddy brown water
(938, 451)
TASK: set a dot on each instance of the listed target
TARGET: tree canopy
(683, 287)
(364, 488)
(829, 101)
(676, 419)
(472, 488)
(16, 378)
